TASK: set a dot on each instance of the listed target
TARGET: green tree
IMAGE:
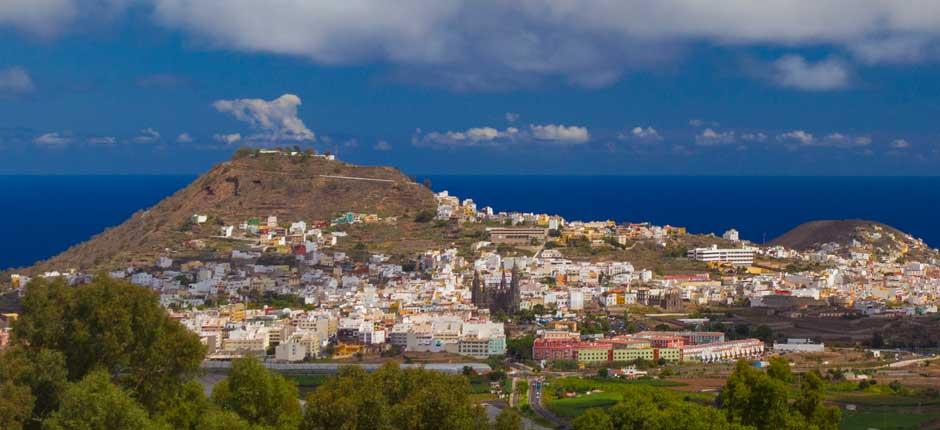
(751, 397)
(16, 405)
(113, 325)
(508, 419)
(216, 419)
(185, 411)
(780, 370)
(95, 403)
(42, 372)
(810, 403)
(592, 419)
(392, 398)
(258, 395)
(520, 347)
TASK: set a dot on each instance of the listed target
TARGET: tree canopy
(112, 325)
(763, 399)
(393, 398)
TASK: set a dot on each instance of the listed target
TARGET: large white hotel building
(736, 256)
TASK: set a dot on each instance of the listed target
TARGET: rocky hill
(293, 188)
(844, 236)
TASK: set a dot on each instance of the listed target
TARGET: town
(286, 293)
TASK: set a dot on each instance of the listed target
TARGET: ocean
(44, 215)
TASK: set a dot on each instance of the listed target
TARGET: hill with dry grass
(856, 235)
(293, 188)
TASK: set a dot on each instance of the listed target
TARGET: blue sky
(782, 87)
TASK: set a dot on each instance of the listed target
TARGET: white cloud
(382, 146)
(147, 135)
(474, 43)
(512, 117)
(793, 71)
(40, 17)
(803, 138)
(15, 80)
(184, 138)
(799, 136)
(479, 136)
(102, 140)
(487, 43)
(643, 134)
(709, 137)
(275, 120)
(227, 138)
(489, 136)
(900, 144)
(52, 139)
(560, 133)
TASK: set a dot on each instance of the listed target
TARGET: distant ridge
(291, 187)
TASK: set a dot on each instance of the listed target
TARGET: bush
(424, 216)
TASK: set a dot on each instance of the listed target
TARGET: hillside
(291, 188)
(855, 235)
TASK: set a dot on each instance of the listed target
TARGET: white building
(799, 345)
(736, 256)
(732, 235)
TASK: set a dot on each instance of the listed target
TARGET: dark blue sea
(44, 215)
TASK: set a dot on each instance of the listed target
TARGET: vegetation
(766, 401)
(392, 398)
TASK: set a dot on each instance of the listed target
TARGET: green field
(883, 419)
(604, 393)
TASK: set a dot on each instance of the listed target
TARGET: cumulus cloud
(147, 135)
(227, 139)
(15, 80)
(512, 117)
(793, 71)
(648, 134)
(491, 43)
(478, 136)
(184, 138)
(489, 136)
(40, 17)
(472, 44)
(709, 137)
(560, 133)
(275, 120)
(798, 136)
(52, 139)
(801, 138)
(900, 144)
(382, 146)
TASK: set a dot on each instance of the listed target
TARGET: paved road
(535, 401)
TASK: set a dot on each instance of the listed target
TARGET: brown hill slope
(875, 238)
(814, 233)
(292, 188)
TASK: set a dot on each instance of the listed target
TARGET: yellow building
(346, 350)
(670, 354)
(593, 354)
(630, 354)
